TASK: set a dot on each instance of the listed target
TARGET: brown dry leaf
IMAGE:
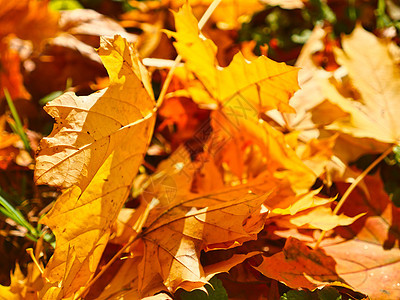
(96, 146)
(28, 19)
(376, 77)
(313, 113)
(12, 148)
(88, 25)
(297, 263)
(360, 255)
(123, 227)
(69, 41)
(172, 179)
(125, 281)
(243, 282)
(312, 109)
(261, 83)
(174, 235)
(305, 211)
(64, 59)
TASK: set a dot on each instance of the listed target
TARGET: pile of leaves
(220, 174)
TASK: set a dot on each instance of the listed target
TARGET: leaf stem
(207, 14)
(353, 186)
(30, 252)
(178, 59)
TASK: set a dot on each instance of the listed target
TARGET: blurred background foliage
(284, 30)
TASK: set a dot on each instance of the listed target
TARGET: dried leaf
(320, 217)
(359, 255)
(84, 150)
(173, 236)
(87, 24)
(89, 129)
(262, 83)
(297, 263)
(235, 132)
(373, 72)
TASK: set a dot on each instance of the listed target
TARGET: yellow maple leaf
(89, 129)
(261, 83)
(96, 146)
(286, 203)
(22, 287)
(320, 217)
(373, 72)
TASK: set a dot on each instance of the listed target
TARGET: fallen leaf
(78, 145)
(235, 132)
(22, 286)
(317, 153)
(286, 203)
(309, 95)
(376, 77)
(96, 147)
(297, 263)
(320, 217)
(359, 255)
(69, 41)
(123, 283)
(262, 83)
(64, 59)
(184, 116)
(88, 25)
(174, 235)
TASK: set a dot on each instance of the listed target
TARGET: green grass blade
(18, 128)
(16, 215)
